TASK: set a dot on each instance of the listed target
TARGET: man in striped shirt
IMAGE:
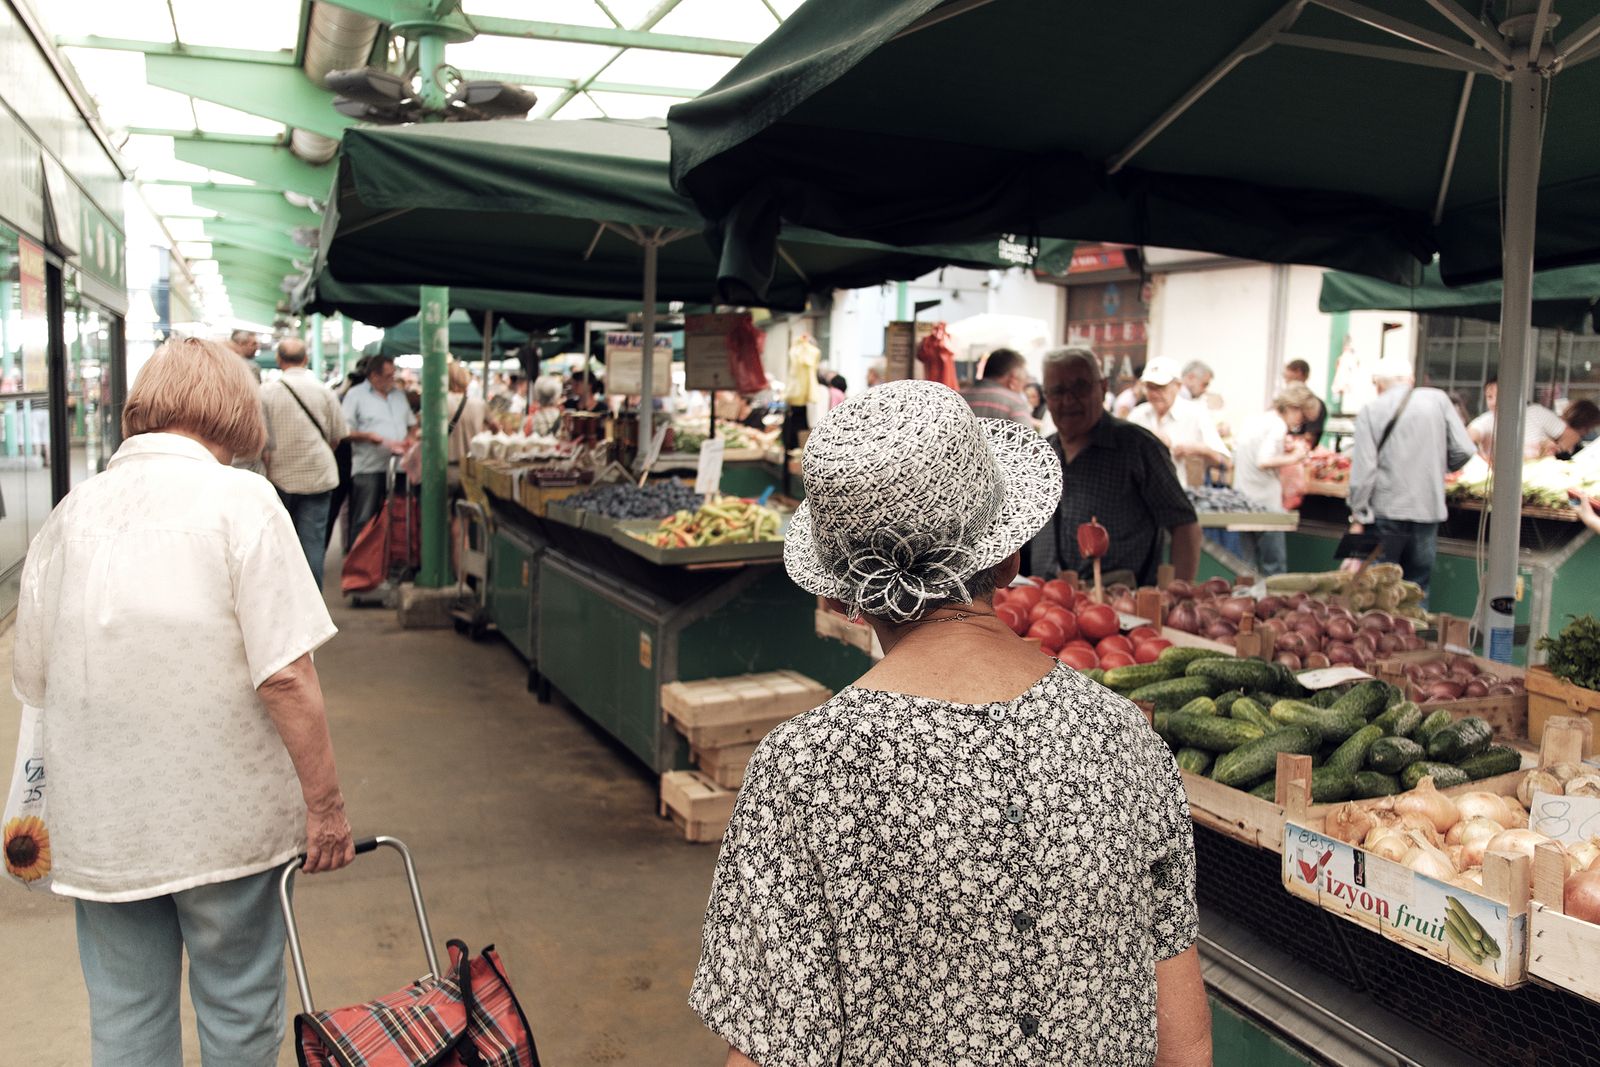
(999, 394)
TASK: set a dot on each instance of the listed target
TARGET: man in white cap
(1407, 440)
(1184, 426)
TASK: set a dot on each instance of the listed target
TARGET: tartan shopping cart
(466, 1017)
(388, 549)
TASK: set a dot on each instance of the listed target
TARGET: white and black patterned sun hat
(908, 495)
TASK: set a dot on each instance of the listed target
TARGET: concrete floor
(530, 829)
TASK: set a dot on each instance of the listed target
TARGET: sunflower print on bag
(27, 848)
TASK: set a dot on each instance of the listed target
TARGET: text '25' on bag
(24, 830)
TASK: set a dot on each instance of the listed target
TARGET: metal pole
(430, 57)
(1523, 149)
(647, 361)
(347, 341)
(488, 349)
(435, 338)
(316, 344)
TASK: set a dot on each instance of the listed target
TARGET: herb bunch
(1575, 654)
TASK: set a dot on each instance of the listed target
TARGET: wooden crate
(700, 807)
(1508, 715)
(717, 712)
(536, 498)
(499, 478)
(1561, 950)
(1551, 696)
(724, 765)
(835, 627)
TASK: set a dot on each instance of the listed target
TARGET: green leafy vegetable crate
(1569, 682)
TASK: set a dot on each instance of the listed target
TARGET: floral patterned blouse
(909, 881)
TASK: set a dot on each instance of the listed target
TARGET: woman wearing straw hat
(973, 854)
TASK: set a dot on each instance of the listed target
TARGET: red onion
(1184, 617)
(1289, 659)
(1339, 628)
(1234, 608)
(1377, 620)
(1316, 661)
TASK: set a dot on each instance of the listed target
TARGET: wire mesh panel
(1527, 1027)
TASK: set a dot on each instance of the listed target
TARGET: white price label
(1566, 819)
(1328, 677)
(708, 477)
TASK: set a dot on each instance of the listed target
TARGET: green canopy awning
(466, 338)
(1562, 299)
(563, 207)
(1294, 137)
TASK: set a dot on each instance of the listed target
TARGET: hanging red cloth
(937, 357)
(745, 344)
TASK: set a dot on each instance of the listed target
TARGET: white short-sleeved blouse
(156, 599)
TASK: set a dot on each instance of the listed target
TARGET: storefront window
(25, 496)
(87, 330)
(1460, 354)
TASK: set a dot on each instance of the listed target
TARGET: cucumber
(1349, 757)
(1199, 706)
(1177, 657)
(1496, 759)
(1161, 723)
(1462, 738)
(1325, 698)
(1132, 677)
(1287, 684)
(1436, 720)
(1368, 699)
(1267, 790)
(1296, 713)
(1401, 720)
(1246, 710)
(1391, 755)
(1094, 674)
(1368, 784)
(1329, 785)
(1259, 758)
(1225, 701)
(1330, 725)
(1443, 774)
(1236, 673)
(1211, 732)
(1173, 693)
(1194, 760)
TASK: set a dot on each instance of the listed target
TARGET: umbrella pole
(435, 337)
(488, 349)
(1516, 312)
(647, 359)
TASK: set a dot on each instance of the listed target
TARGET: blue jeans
(309, 513)
(132, 957)
(1268, 551)
(1421, 549)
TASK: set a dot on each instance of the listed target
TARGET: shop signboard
(625, 364)
(35, 316)
(1472, 932)
(706, 364)
(900, 340)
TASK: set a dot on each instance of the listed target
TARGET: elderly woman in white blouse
(165, 629)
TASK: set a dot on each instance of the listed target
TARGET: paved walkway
(531, 831)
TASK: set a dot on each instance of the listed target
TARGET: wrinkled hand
(399, 448)
(329, 842)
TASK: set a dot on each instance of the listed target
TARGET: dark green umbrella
(386, 305)
(1562, 299)
(1364, 135)
(466, 338)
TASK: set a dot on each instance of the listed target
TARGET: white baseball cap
(1161, 371)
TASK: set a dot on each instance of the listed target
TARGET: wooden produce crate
(836, 627)
(697, 805)
(717, 712)
(1507, 714)
(1562, 951)
(724, 765)
(1551, 696)
(500, 478)
(537, 498)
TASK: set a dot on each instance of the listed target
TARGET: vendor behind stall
(1541, 427)
(1184, 426)
(1581, 418)
(1267, 444)
(1115, 472)
(1298, 372)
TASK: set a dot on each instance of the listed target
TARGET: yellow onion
(1350, 823)
(1476, 833)
(1388, 843)
(1425, 859)
(1580, 897)
(1427, 801)
(1540, 781)
(1517, 842)
(1585, 853)
(1422, 824)
(1486, 806)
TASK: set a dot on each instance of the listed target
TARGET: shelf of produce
(1249, 521)
(1337, 490)
(1529, 511)
(1562, 949)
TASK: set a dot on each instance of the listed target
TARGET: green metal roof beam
(256, 205)
(254, 311)
(175, 48)
(602, 35)
(272, 166)
(262, 263)
(571, 84)
(256, 239)
(282, 94)
(202, 135)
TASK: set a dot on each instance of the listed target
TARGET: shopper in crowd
(998, 394)
(876, 374)
(1116, 472)
(1298, 372)
(1196, 377)
(306, 424)
(1541, 427)
(833, 385)
(1033, 393)
(469, 416)
(1129, 399)
(545, 418)
(246, 344)
(1184, 426)
(585, 392)
(382, 426)
(929, 868)
(164, 629)
(1268, 444)
(1406, 441)
(1580, 419)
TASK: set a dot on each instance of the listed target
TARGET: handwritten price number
(1555, 820)
(33, 777)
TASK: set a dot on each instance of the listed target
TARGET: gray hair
(1198, 366)
(1061, 357)
(547, 389)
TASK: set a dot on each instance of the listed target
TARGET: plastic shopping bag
(24, 831)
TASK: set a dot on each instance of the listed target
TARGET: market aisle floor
(530, 831)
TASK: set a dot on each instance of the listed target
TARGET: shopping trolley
(466, 1016)
(388, 550)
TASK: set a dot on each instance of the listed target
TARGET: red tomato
(1079, 659)
(1000, 597)
(1049, 635)
(1037, 581)
(1116, 659)
(1025, 597)
(1114, 643)
(1081, 601)
(1147, 651)
(1040, 610)
(1140, 634)
(1012, 617)
(1097, 621)
(1064, 619)
(1059, 591)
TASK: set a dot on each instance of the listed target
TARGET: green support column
(902, 303)
(346, 343)
(316, 344)
(435, 336)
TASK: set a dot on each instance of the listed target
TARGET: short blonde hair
(201, 388)
(460, 377)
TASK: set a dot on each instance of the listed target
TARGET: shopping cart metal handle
(363, 846)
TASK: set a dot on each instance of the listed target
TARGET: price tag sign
(708, 478)
(625, 364)
(1132, 622)
(1328, 677)
(1566, 819)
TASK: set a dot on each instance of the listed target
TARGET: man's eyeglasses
(1073, 390)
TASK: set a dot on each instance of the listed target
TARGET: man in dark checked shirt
(1113, 471)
